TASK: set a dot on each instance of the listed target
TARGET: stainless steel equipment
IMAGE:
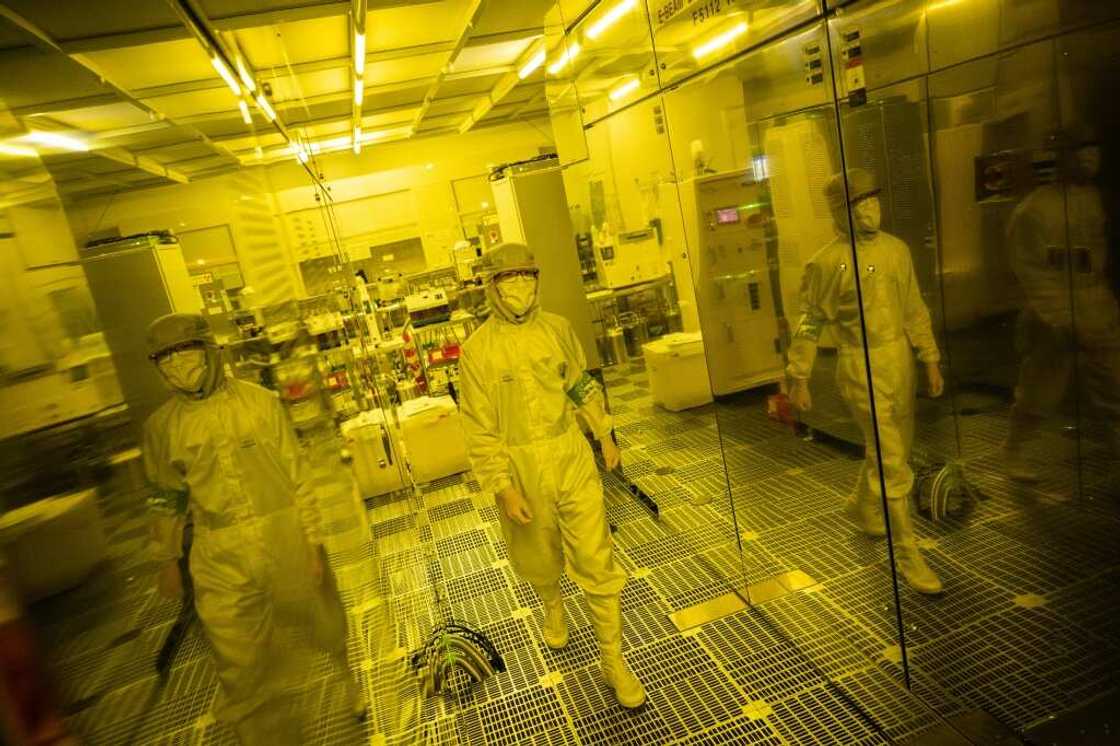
(134, 280)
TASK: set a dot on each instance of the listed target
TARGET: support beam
(473, 13)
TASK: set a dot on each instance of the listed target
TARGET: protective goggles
(166, 352)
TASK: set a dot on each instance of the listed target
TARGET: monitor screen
(726, 215)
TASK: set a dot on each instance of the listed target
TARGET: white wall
(255, 202)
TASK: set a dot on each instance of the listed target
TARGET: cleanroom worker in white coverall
(1070, 321)
(224, 451)
(897, 323)
(524, 383)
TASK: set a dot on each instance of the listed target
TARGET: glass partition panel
(693, 36)
(984, 177)
(609, 56)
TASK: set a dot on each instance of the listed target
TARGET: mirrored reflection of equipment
(735, 283)
(628, 258)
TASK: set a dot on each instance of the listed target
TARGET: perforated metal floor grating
(757, 677)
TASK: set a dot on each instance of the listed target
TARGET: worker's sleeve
(803, 347)
(486, 444)
(167, 500)
(583, 390)
(307, 501)
(916, 321)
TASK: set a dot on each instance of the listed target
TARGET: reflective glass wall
(889, 224)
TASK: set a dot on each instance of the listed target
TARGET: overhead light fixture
(720, 41)
(562, 61)
(266, 107)
(16, 150)
(531, 66)
(227, 76)
(610, 18)
(359, 54)
(357, 140)
(359, 91)
(245, 115)
(246, 78)
(55, 140)
(625, 89)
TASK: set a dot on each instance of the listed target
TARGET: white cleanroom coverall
(897, 321)
(228, 455)
(520, 421)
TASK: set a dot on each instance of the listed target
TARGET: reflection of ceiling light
(245, 115)
(720, 40)
(55, 140)
(357, 140)
(359, 91)
(610, 18)
(266, 107)
(201, 262)
(258, 151)
(485, 205)
(531, 66)
(562, 61)
(934, 7)
(246, 78)
(16, 150)
(626, 88)
(227, 76)
(359, 54)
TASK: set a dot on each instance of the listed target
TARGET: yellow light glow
(16, 150)
(359, 91)
(227, 76)
(258, 151)
(266, 107)
(357, 140)
(246, 78)
(720, 40)
(359, 54)
(625, 89)
(610, 18)
(245, 115)
(563, 60)
(531, 66)
(55, 140)
(934, 7)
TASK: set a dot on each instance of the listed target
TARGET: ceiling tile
(183, 105)
(102, 118)
(405, 68)
(307, 85)
(148, 65)
(491, 55)
(394, 28)
(277, 46)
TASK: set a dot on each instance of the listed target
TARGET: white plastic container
(678, 372)
(374, 452)
(433, 436)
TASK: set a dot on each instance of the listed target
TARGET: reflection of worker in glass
(897, 321)
(524, 383)
(224, 451)
(1071, 317)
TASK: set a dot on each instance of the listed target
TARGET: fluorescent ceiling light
(16, 150)
(562, 61)
(266, 107)
(55, 140)
(626, 88)
(227, 76)
(610, 18)
(359, 54)
(246, 78)
(531, 66)
(359, 91)
(357, 140)
(245, 115)
(720, 41)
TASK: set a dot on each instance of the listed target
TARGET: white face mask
(867, 215)
(184, 369)
(518, 292)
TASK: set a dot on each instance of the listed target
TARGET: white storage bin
(433, 436)
(375, 454)
(678, 372)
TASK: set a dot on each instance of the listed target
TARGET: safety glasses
(167, 352)
(528, 274)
